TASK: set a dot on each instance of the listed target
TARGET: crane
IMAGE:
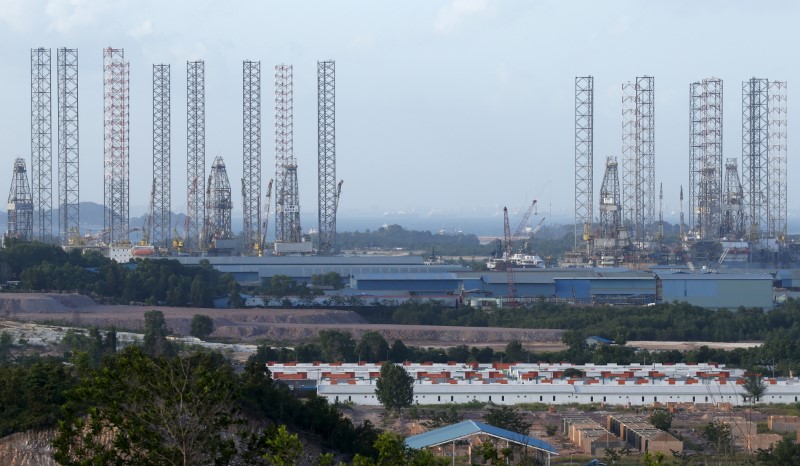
(265, 221)
(512, 288)
(524, 220)
(338, 194)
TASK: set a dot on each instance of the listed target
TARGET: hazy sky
(454, 107)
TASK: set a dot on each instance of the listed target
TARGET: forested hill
(395, 236)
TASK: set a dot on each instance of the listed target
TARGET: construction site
(735, 209)
(732, 219)
(206, 227)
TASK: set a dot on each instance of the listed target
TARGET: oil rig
(731, 219)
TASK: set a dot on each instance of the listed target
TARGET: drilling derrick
(287, 199)
(251, 149)
(326, 155)
(613, 234)
(733, 224)
(755, 146)
(161, 201)
(20, 204)
(68, 175)
(41, 143)
(195, 152)
(610, 207)
(584, 156)
(777, 160)
(705, 158)
(116, 152)
(219, 203)
(638, 163)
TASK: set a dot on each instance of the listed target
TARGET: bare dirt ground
(251, 325)
(691, 345)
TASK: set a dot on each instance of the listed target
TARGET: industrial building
(514, 383)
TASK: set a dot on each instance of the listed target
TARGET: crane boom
(512, 288)
(524, 220)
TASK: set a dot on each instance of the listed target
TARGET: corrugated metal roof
(714, 276)
(405, 276)
(519, 278)
(468, 428)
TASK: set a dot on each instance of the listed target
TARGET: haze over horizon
(444, 109)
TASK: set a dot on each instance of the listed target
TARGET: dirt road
(251, 325)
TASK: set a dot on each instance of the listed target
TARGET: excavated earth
(251, 325)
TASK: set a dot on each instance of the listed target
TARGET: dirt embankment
(249, 325)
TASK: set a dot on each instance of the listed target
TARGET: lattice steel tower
(20, 204)
(116, 186)
(41, 143)
(733, 224)
(162, 154)
(777, 160)
(219, 202)
(326, 155)
(638, 152)
(755, 149)
(68, 160)
(287, 197)
(610, 207)
(195, 152)
(584, 156)
(705, 158)
(251, 150)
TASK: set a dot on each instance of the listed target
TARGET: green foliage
(201, 326)
(782, 453)
(331, 279)
(155, 341)
(47, 267)
(284, 448)
(372, 347)
(31, 393)
(395, 236)
(506, 417)
(754, 388)
(283, 285)
(718, 436)
(90, 348)
(661, 419)
(140, 410)
(443, 418)
(395, 387)
(337, 346)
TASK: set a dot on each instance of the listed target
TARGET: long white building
(509, 384)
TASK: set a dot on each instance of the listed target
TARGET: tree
(661, 420)
(443, 418)
(754, 388)
(782, 453)
(155, 341)
(235, 297)
(202, 326)
(508, 418)
(284, 448)
(718, 436)
(142, 410)
(395, 387)
(337, 345)
(372, 347)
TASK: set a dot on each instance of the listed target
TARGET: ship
(517, 261)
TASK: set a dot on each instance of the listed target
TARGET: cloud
(452, 15)
(17, 13)
(145, 28)
(68, 15)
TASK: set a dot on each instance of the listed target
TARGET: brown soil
(250, 325)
